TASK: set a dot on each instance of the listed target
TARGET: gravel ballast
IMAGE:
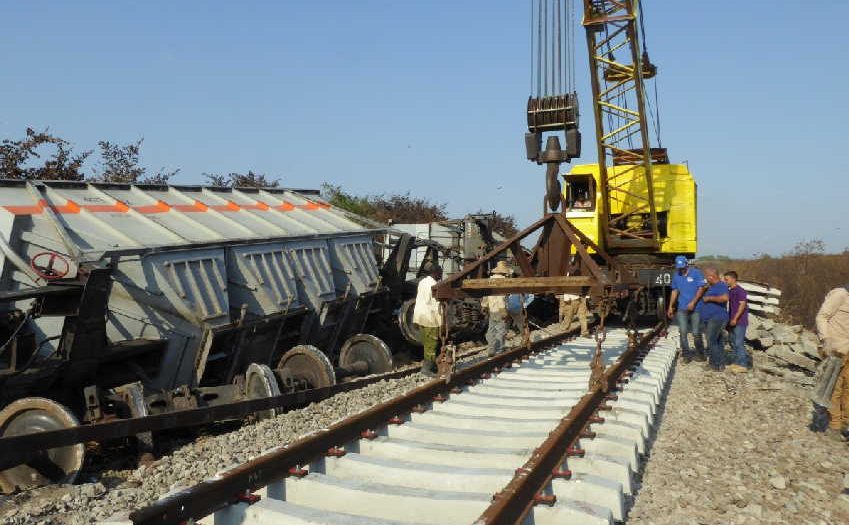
(186, 466)
(119, 491)
(735, 449)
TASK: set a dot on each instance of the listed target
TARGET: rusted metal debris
(550, 267)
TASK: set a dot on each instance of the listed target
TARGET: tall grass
(803, 277)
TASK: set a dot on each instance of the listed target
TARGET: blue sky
(429, 97)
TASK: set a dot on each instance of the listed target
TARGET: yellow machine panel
(674, 197)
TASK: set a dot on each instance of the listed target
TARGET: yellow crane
(632, 202)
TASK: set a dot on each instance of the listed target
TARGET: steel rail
(514, 502)
(209, 496)
(21, 449)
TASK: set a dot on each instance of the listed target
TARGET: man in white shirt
(427, 316)
(571, 305)
(496, 305)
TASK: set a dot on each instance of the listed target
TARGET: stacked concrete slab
(790, 351)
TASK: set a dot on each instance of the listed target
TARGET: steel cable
(539, 48)
(570, 7)
(654, 115)
(544, 45)
(531, 34)
(557, 56)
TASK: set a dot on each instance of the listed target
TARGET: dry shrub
(804, 276)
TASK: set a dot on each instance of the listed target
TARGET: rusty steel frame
(209, 496)
(551, 267)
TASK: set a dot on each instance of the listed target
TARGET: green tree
(336, 196)
(389, 209)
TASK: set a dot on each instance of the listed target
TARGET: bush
(21, 159)
(384, 208)
(804, 275)
(242, 180)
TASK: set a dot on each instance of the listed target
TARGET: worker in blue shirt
(688, 286)
(714, 315)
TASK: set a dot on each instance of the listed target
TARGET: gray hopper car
(127, 300)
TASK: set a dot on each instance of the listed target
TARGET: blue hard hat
(680, 261)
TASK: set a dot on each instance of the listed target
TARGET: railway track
(23, 448)
(516, 434)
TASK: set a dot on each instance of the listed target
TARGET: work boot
(427, 368)
(736, 369)
(819, 418)
(700, 357)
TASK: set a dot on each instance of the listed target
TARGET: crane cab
(674, 197)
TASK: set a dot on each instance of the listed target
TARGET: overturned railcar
(148, 298)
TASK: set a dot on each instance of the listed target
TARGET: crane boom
(618, 67)
(628, 218)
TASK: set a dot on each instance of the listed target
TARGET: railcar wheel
(368, 349)
(261, 383)
(56, 465)
(304, 367)
(405, 322)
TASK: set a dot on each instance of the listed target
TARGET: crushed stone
(735, 449)
(120, 491)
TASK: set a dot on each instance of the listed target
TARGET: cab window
(580, 193)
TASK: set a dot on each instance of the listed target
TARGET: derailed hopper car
(140, 299)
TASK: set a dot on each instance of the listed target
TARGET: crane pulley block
(552, 114)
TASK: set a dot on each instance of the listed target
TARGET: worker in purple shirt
(714, 315)
(688, 285)
(738, 320)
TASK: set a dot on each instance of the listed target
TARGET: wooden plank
(528, 284)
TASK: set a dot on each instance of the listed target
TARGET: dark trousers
(716, 350)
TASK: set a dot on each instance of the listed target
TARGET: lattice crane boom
(618, 67)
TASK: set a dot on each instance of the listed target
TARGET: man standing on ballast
(688, 286)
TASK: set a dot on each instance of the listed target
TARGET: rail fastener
(204, 499)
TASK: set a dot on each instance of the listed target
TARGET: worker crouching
(428, 317)
(496, 306)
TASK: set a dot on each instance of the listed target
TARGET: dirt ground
(736, 449)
